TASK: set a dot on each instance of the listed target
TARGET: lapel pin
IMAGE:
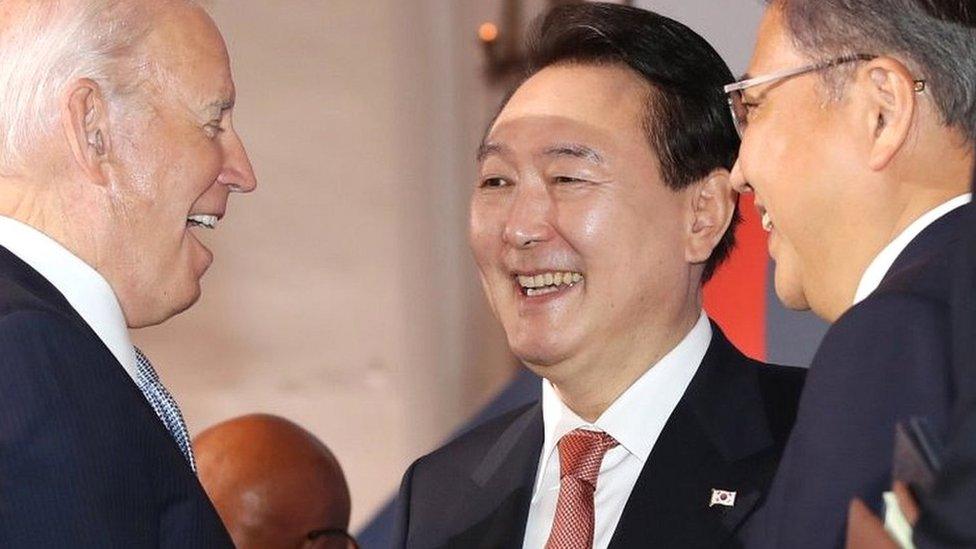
(722, 497)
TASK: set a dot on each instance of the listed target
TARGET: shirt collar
(638, 416)
(83, 287)
(882, 262)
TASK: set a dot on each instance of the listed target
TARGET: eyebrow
(221, 104)
(575, 150)
(488, 149)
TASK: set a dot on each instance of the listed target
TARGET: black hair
(686, 118)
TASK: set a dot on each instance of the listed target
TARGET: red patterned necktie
(580, 454)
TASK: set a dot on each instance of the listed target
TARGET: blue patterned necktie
(164, 405)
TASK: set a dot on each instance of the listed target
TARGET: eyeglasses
(739, 107)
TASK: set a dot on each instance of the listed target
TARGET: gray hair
(52, 43)
(936, 39)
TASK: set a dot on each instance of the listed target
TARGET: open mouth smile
(202, 220)
(547, 282)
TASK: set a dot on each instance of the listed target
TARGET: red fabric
(736, 296)
(580, 454)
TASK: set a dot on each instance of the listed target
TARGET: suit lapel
(497, 504)
(716, 440)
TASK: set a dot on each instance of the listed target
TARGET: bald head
(271, 481)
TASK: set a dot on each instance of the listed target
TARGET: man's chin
(540, 359)
(791, 295)
(160, 312)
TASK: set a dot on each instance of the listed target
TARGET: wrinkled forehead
(607, 98)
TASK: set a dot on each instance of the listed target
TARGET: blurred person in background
(858, 119)
(274, 484)
(116, 148)
(603, 203)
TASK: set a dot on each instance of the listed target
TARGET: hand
(866, 531)
(906, 502)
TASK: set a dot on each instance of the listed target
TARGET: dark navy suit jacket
(727, 432)
(947, 516)
(883, 361)
(84, 460)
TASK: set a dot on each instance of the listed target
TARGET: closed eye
(213, 128)
(750, 107)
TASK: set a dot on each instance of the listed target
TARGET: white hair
(52, 43)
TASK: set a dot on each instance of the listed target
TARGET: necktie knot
(581, 453)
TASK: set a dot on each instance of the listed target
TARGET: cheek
(484, 235)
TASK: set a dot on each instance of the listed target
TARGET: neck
(46, 206)
(916, 191)
(592, 387)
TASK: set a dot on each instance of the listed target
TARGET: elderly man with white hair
(116, 145)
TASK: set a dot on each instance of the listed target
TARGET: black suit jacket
(947, 516)
(886, 359)
(727, 432)
(84, 460)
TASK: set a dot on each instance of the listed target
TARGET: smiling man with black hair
(603, 203)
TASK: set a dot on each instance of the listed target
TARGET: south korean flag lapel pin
(725, 498)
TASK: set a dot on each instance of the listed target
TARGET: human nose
(738, 179)
(529, 222)
(237, 173)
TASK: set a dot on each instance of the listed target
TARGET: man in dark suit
(603, 203)
(857, 135)
(117, 143)
(946, 519)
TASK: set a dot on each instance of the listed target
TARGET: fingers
(906, 501)
(864, 530)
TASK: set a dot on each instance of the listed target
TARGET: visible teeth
(550, 280)
(541, 291)
(208, 221)
(767, 223)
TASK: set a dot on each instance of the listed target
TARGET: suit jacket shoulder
(474, 491)
(884, 360)
(84, 462)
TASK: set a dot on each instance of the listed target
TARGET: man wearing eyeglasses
(858, 120)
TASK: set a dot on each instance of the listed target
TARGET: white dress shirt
(81, 285)
(635, 420)
(882, 263)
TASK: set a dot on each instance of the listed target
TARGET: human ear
(712, 208)
(891, 101)
(85, 126)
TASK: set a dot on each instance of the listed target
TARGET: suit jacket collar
(941, 232)
(717, 438)
(713, 440)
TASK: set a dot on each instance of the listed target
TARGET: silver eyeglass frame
(734, 90)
